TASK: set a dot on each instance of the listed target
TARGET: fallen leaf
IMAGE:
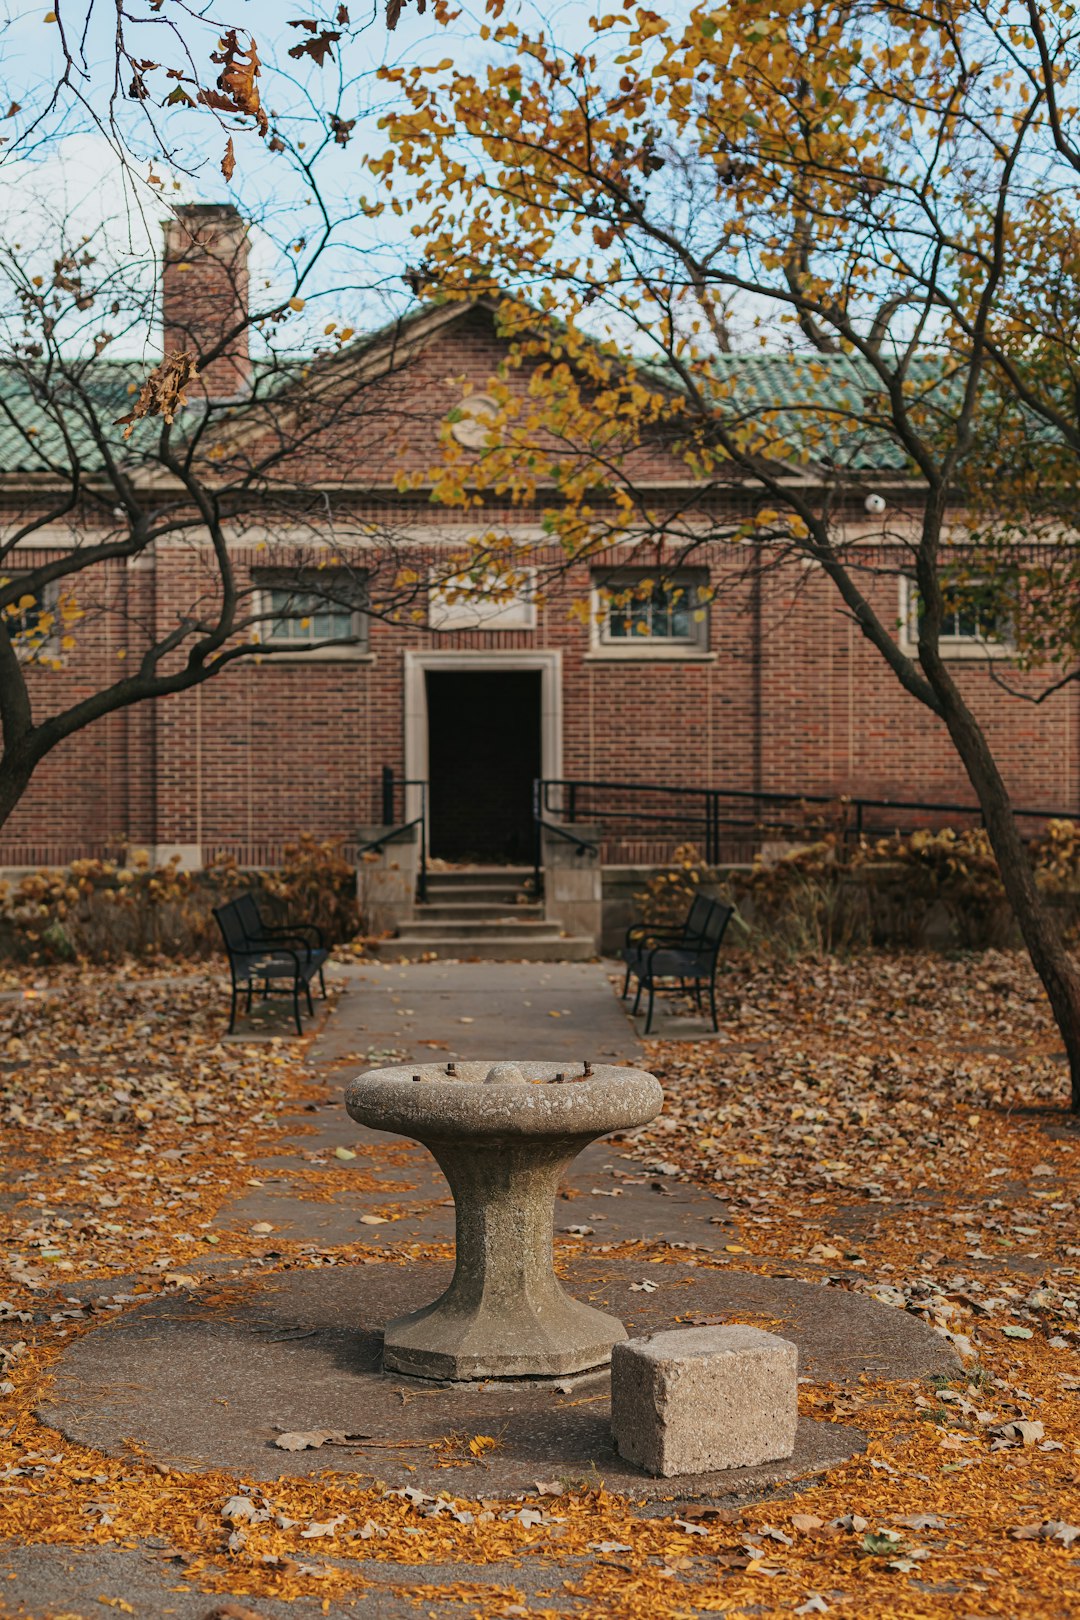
(312, 1439)
(318, 1528)
(1049, 1530)
(1024, 1432)
(232, 1611)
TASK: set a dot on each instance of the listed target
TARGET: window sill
(964, 651)
(650, 655)
(314, 655)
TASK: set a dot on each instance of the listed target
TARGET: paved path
(484, 1009)
(432, 1010)
(300, 1348)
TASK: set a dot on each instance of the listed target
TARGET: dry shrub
(671, 893)
(315, 884)
(925, 888)
(100, 910)
(804, 903)
(103, 911)
(954, 871)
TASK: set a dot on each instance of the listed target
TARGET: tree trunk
(1049, 954)
(15, 774)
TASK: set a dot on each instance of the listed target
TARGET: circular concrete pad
(204, 1384)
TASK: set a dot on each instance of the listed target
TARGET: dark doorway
(483, 754)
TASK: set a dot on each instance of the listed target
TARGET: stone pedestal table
(502, 1134)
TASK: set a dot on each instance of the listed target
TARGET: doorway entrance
(484, 751)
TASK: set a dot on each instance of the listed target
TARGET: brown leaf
(310, 1439)
(1049, 1530)
(1026, 1433)
(237, 89)
(733, 1558)
(163, 392)
(319, 47)
(228, 162)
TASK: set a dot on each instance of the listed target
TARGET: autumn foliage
(104, 910)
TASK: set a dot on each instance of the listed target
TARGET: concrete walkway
(436, 1010)
(483, 1009)
(298, 1348)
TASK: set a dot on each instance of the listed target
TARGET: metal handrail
(564, 832)
(389, 837)
(388, 786)
(710, 810)
(769, 795)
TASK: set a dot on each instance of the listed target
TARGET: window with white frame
(639, 607)
(974, 619)
(32, 622)
(312, 609)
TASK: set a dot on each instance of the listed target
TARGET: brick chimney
(204, 292)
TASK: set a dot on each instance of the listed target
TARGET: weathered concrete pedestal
(502, 1135)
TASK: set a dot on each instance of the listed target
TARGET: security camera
(875, 505)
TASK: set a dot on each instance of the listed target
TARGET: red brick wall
(266, 751)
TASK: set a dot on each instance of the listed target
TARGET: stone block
(574, 883)
(386, 880)
(694, 1400)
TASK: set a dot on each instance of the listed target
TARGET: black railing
(395, 818)
(643, 822)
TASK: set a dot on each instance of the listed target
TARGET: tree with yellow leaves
(791, 246)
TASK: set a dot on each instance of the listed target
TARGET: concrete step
(493, 928)
(519, 949)
(453, 876)
(480, 883)
(481, 894)
(477, 910)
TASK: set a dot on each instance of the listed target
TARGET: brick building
(769, 689)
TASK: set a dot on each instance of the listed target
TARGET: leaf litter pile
(892, 1125)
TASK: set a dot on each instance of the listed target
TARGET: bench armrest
(271, 936)
(302, 928)
(647, 931)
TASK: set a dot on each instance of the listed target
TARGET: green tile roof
(31, 441)
(810, 409)
(819, 409)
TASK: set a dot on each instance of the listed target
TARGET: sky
(72, 174)
(67, 169)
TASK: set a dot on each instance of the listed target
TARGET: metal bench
(687, 953)
(260, 953)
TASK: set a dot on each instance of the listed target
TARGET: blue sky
(73, 173)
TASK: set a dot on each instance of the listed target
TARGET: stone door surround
(417, 664)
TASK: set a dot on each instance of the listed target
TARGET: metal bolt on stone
(502, 1134)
